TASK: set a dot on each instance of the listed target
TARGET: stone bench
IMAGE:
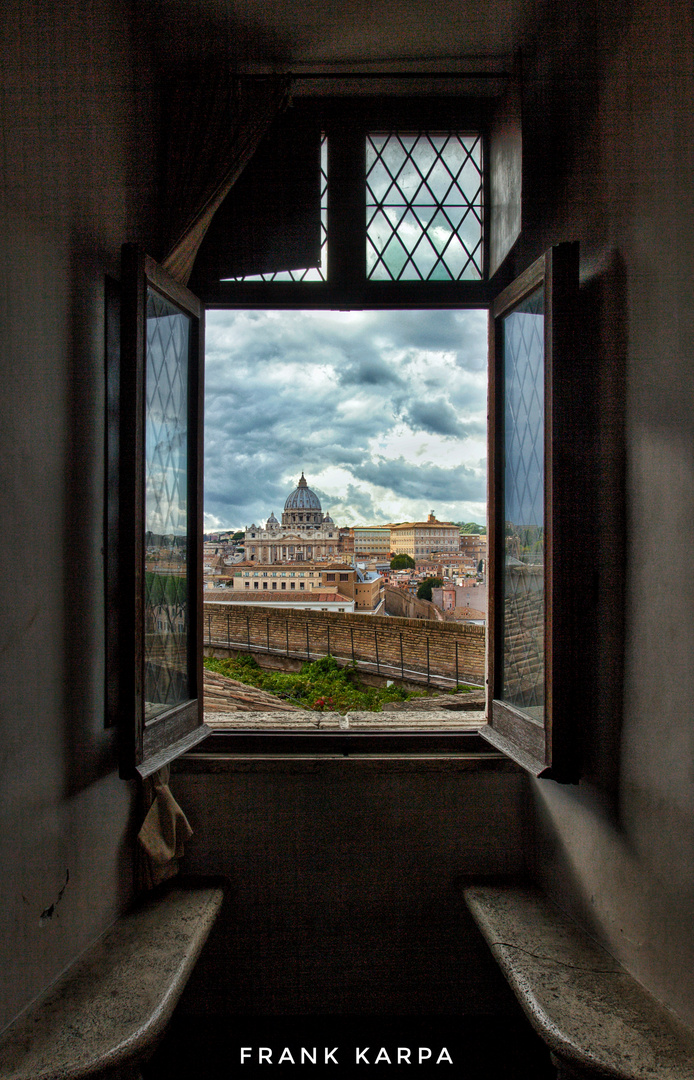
(107, 1012)
(596, 1019)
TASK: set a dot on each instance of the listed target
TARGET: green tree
(473, 527)
(238, 536)
(402, 562)
(424, 590)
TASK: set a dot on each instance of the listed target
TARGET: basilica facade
(305, 534)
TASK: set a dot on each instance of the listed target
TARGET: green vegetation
(323, 685)
(402, 562)
(424, 590)
(472, 527)
(238, 535)
(165, 588)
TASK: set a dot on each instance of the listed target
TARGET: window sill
(339, 765)
(301, 751)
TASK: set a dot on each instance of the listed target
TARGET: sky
(384, 411)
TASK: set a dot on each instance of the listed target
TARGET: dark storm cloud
(424, 482)
(369, 371)
(436, 416)
(456, 332)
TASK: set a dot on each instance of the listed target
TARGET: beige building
(312, 600)
(474, 546)
(371, 542)
(304, 535)
(420, 538)
(364, 589)
(345, 543)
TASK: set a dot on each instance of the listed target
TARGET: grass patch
(322, 685)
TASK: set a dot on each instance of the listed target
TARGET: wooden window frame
(147, 746)
(549, 749)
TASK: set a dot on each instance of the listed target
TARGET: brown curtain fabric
(215, 124)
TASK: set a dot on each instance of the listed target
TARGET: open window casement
(160, 517)
(534, 640)
(270, 221)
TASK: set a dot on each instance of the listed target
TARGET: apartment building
(362, 588)
(371, 542)
(420, 539)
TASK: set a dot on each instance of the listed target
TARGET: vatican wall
(392, 642)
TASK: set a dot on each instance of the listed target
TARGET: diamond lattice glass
(523, 572)
(424, 207)
(166, 509)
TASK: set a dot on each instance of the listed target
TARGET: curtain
(215, 123)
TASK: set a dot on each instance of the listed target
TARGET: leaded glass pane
(166, 507)
(523, 569)
(424, 207)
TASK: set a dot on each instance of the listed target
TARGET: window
(424, 207)
(159, 704)
(440, 252)
(396, 201)
(533, 519)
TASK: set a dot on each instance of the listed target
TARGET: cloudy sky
(385, 412)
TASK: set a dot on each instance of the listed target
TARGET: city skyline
(384, 411)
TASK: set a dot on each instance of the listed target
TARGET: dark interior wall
(609, 136)
(345, 883)
(79, 171)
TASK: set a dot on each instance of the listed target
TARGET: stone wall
(392, 642)
(403, 603)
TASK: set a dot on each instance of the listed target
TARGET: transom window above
(395, 207)
(424, 207)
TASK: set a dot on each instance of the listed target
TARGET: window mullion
(347, 206)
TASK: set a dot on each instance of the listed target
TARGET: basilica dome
(302, 498)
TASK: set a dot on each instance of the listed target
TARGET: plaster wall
(609, 145)
(345, 879)
(78, 170)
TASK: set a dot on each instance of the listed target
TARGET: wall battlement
(444, 649)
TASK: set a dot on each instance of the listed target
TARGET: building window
(265, 584)
(255, 585)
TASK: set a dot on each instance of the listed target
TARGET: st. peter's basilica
(305, 535)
